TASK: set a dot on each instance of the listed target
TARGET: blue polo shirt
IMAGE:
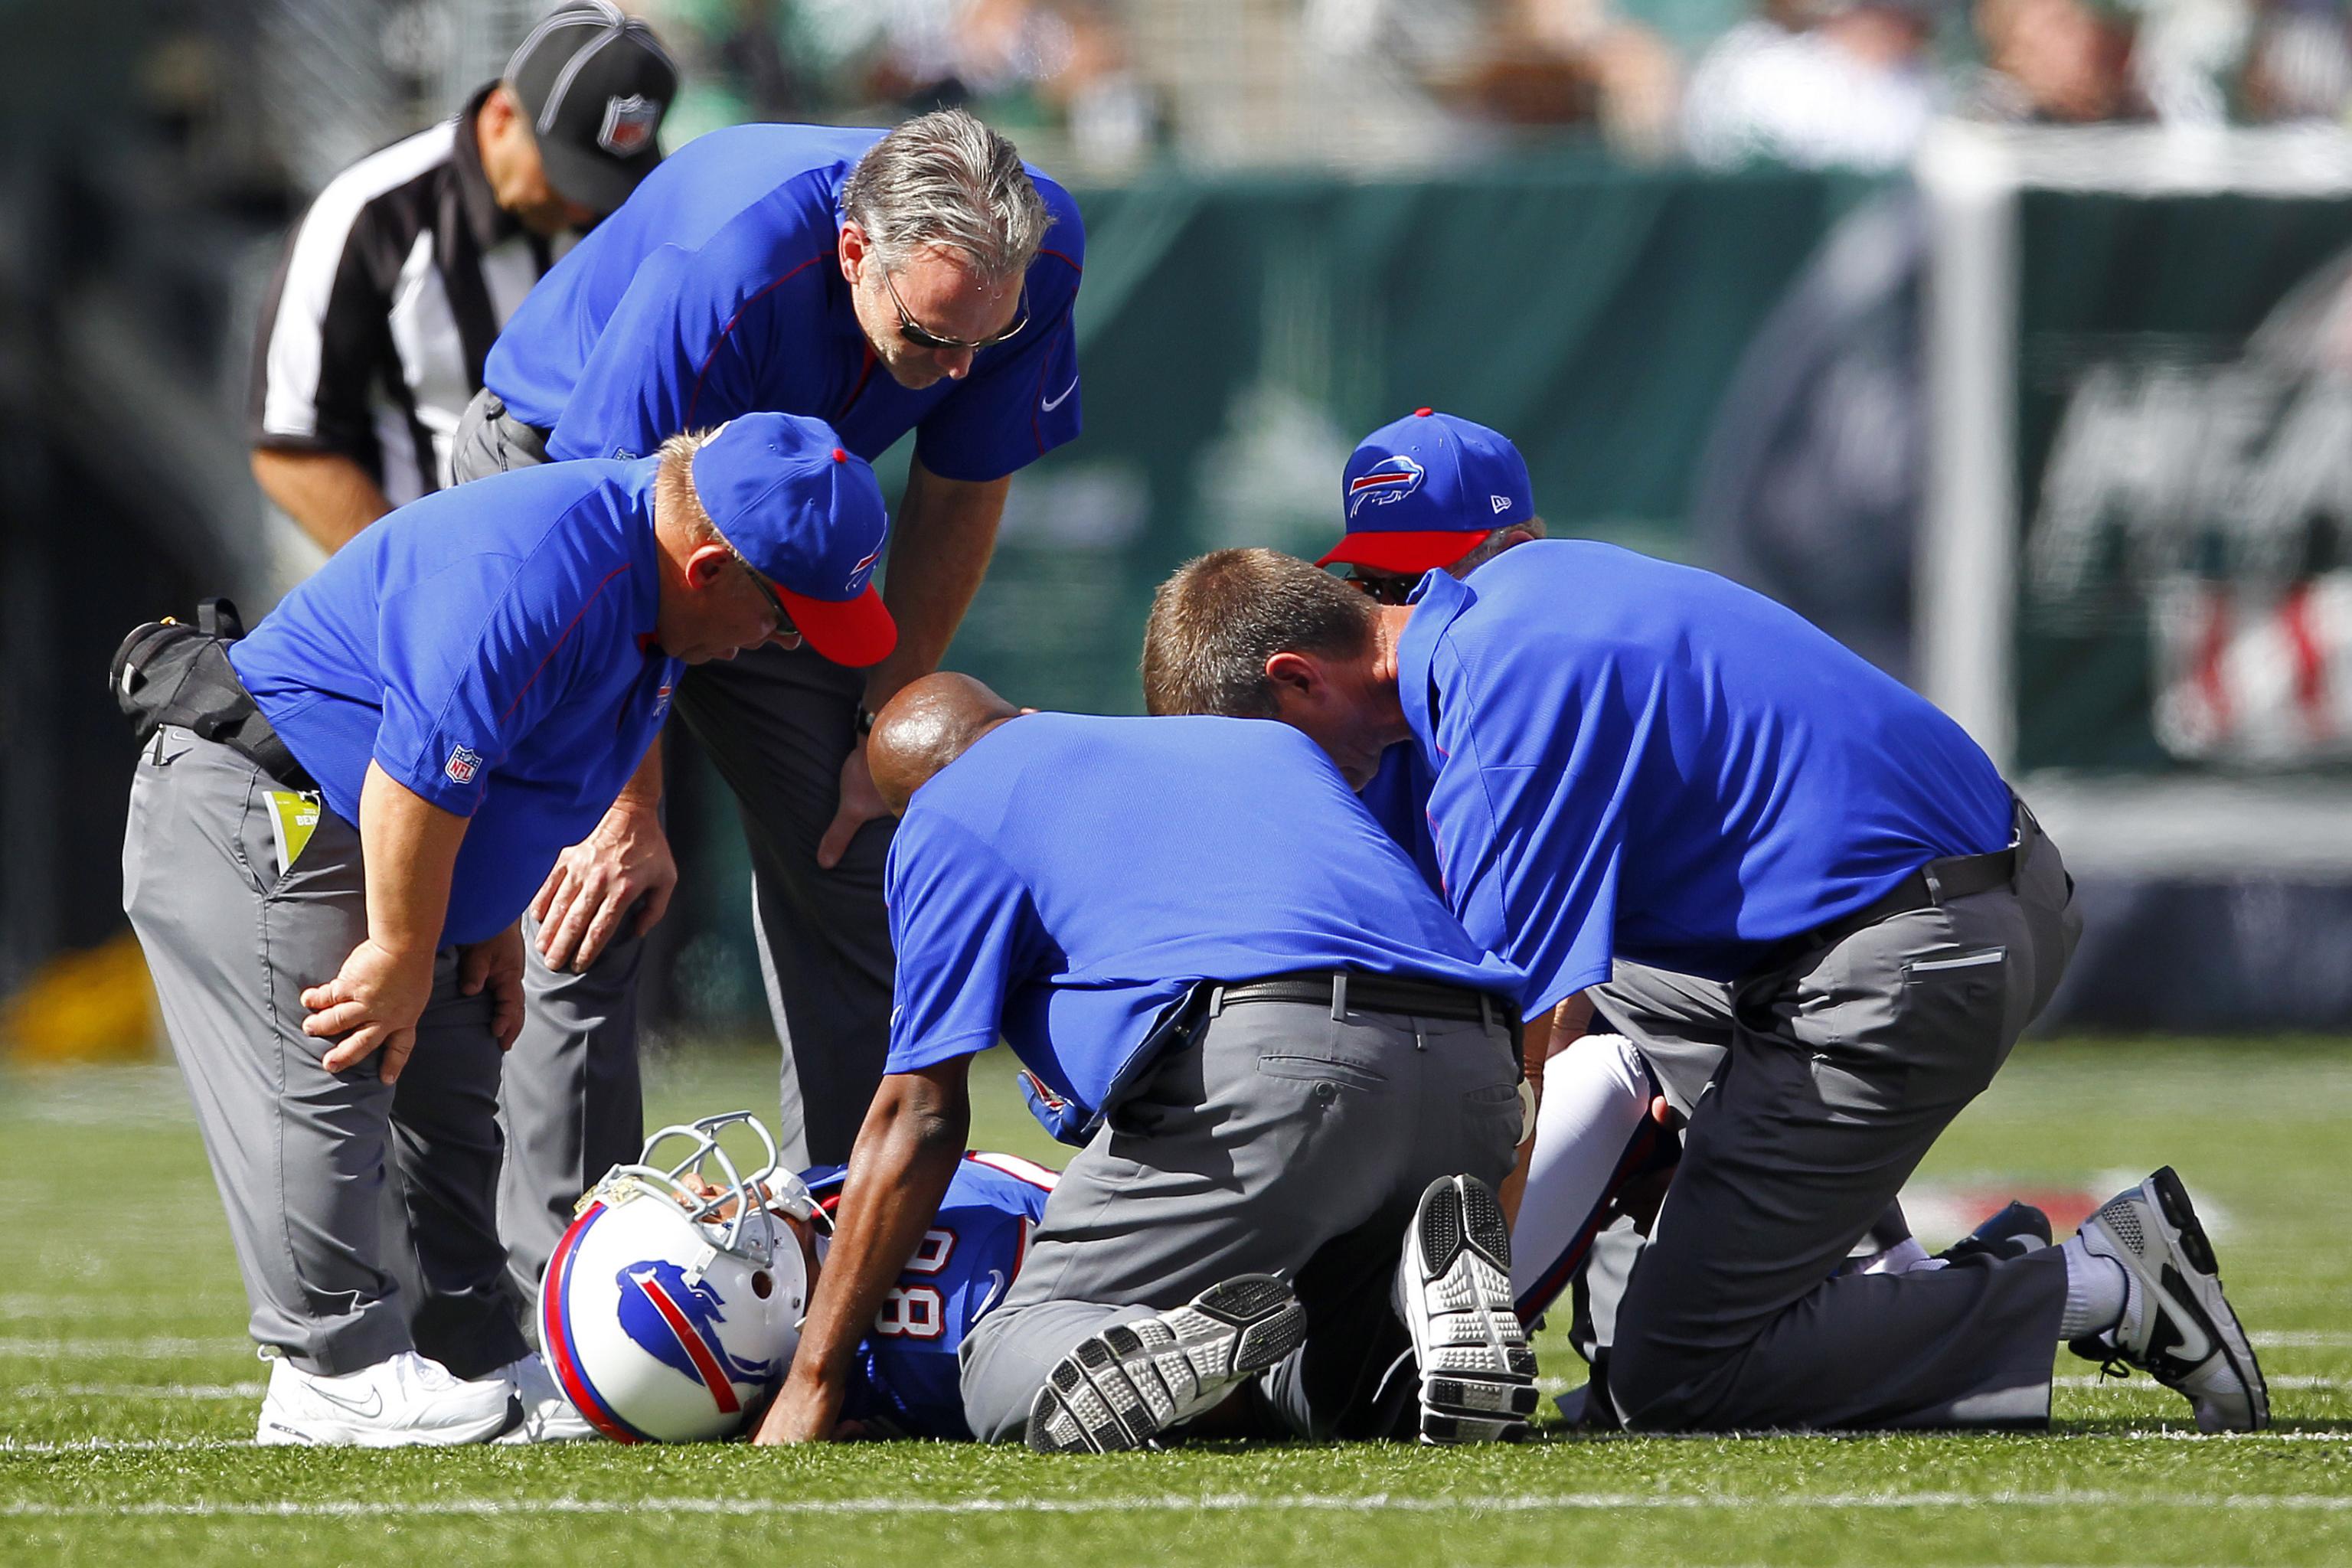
(1068, 878)
(714, 290)
(491, 648)
(1629, 757)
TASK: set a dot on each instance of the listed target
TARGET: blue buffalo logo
(676, 1320)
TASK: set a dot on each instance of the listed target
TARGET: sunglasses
(1382, 587)
(784, 626)
(922, 337)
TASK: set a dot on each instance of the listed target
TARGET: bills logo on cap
(463, 764)
(863, 570)
(1388, 480)
(628, 124)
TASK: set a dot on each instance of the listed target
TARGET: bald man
(1210, 958)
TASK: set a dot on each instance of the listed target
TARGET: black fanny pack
(168, 672)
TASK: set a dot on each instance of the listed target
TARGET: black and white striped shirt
(391, 290)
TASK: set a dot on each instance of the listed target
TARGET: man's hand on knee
(625, 863)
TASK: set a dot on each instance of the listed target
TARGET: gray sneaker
(1126, 1386)
(1478, 1373)
(2178, 1327)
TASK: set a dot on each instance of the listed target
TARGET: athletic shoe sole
(2207, 1356)
(1478, 1373)
(278, 1431)
(1125, 1386)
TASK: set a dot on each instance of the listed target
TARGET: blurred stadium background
(2010, 339)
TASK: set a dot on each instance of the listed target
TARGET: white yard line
(156, 1390)
(1215, 1502)
(157, 1347)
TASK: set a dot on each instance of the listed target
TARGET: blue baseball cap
(807, 514)
(1421, 493)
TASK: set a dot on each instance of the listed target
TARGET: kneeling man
(1284, 1057)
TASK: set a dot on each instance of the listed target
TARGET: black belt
(1936, 883)
(1341, 990)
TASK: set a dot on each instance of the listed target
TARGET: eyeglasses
(1382, 587)
(922, 337)
(784, 626)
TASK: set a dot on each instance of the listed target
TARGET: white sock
(2098, 1291)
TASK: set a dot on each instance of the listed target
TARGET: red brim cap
(1401, 552)
(853, 633)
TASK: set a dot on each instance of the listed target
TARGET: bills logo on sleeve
(463, 765)
(1390, 479)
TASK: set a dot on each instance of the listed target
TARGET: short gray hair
(674, 484)
(1494, 544)
(945, 179)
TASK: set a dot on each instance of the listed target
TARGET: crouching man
(327, 887)
(1283, 1057)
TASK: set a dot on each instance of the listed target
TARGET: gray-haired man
(920, 281)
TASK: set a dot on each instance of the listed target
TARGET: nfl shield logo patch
(462, 765)
(628, 125)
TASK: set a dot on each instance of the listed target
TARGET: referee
(397, 282)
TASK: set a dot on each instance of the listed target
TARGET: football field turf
(127, 1390)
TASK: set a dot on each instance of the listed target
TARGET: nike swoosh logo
(1053, 403)
(2193, 1342)
(993, 1292)
(367, 1411)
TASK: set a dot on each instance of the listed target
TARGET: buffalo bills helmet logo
(628, 124)
(676, 1320)
(1390, 479)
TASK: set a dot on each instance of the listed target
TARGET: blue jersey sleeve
(963, 925)
(1529, 846)
(475, 656)
(1021, 400)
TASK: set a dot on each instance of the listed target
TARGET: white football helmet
(665, 1315)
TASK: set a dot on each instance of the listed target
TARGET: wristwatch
(865, 721)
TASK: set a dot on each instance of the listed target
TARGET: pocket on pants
(1344, 1055)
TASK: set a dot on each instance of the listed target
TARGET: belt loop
(1934, 883)
(1485, 1013)
(1216, 1001)
(1340, 997)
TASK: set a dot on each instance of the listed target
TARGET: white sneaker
(395, 1404)
(547, 1415)
(1478, 1373)
(2177, 1325)
(1126, 1386)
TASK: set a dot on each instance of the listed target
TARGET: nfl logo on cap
(629, 124)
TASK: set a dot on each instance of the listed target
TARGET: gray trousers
(341, 1272)
(1838, 1071)
(1276, 1140)
(778, 725)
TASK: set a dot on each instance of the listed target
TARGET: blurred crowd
(1817, 83)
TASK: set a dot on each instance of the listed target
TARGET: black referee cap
(596, 84)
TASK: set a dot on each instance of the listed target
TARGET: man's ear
(1295, 675)
(852, 250)
(703, 566)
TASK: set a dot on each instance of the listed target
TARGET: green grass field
(128, 1392)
